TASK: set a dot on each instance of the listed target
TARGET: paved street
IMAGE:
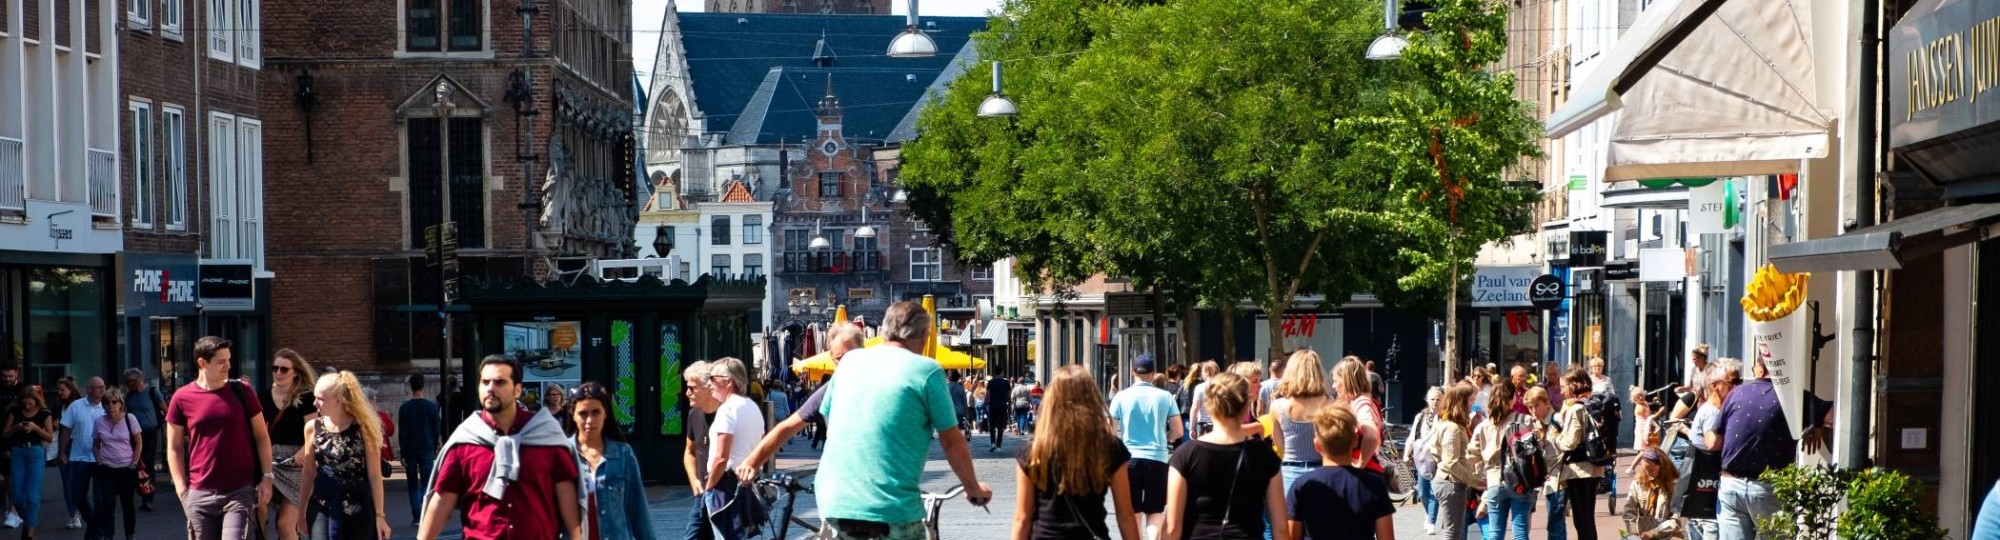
(671, 504)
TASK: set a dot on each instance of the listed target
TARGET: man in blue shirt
(423, 431)
(1147, 417)
(1754, 436)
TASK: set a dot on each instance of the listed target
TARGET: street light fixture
(913, 42)
(663, 241)
(819, 238)
(1388, 46)
(865, 231)
(997, 105)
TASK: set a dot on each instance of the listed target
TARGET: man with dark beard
(516, 467)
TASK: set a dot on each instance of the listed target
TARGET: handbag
(138, 463)
(1234, 478)
(1695, 495)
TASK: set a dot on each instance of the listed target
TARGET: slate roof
(754, 77)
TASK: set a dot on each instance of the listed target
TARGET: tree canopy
(1225, 150)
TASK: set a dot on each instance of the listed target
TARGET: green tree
(1212, 148)
(1448, 130)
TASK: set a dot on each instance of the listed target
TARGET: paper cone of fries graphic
(1782, 334)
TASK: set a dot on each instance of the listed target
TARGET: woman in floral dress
(342, 486)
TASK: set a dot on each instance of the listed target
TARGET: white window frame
(173, 139)
(222, 185)
(934, 262)
(221, 38)
(981, 272)
(918, 224)
(753, 233)
(250, 190)
(249, 48)
(170, 18)
(747, 258)
(728, 264)
(145, 168)
(139, 15)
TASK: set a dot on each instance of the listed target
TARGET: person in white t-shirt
(732, 436)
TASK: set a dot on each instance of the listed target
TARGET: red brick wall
(163, 70)
(328, 219)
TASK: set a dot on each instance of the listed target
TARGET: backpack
(1424, 458)
(1601, 434)
(1523, 469)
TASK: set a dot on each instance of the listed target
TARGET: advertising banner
(1503, 286)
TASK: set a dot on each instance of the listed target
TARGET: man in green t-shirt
(889, 403)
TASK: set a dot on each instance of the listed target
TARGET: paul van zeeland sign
(1503, 286)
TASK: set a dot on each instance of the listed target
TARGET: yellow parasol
(818, 366)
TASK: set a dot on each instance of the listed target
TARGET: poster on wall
(625, 389)
(670, 379)
(1321, 332)
(549, 352)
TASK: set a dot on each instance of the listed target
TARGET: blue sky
(647, 14)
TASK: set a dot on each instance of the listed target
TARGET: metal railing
(833, 262)
(102, 167)
(13, 174)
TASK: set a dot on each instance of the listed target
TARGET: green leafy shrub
(1808, 500)
(1880, 504)
(1883, 505)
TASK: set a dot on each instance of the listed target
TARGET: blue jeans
(1021, 421)
(1558, 529)
(77, 476)
(697, 527)
(1504, 507)
(418, 468)
(1739, 503)
(1429, 498)
(24, 480)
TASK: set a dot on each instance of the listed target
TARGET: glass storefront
(65, 330)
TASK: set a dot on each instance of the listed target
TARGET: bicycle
(1395, 465)
(933, 502)
(791, 485)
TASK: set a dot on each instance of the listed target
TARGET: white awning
(1706, 88)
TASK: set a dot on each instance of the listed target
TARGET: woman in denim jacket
(611, 478)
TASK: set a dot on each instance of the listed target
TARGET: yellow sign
(1959, 65)
(563, 337)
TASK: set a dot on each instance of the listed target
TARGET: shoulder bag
(1235, 478)
(138, 462)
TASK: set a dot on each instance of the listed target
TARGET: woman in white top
(1420, 437)
(1202, 423)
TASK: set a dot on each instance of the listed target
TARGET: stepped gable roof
(756, 77)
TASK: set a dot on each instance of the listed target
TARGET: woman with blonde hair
(1070, 463)
(288, 407)
(1457, 470)
(1350, 380)
(1303, 392)
(1218, 484)
(342, 485)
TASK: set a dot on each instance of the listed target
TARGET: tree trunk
(1190, 330)
(1274, 318)
(1229, 331)
(1450, 349)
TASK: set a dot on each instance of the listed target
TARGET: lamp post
(997, 105)
(1388, 46)
(663, 241)
(447, 265)
(913, 42)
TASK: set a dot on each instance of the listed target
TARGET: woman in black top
(29, 428)
(1217, 485)
(1065, 470)
(288, 406)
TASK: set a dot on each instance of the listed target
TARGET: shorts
(1149, 485)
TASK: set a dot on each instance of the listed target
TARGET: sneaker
(13, 519)
(75, 522)
(1430, 530)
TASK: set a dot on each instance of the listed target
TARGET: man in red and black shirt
(514, 468)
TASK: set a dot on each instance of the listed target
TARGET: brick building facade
(537, 116)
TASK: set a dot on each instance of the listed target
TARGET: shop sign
(1135, 304)
(1708, 210)
(1547, 292)
(1503, 286)
(1588, 248)
(1944, 62)
(160, 284)
(860, 294)
(227, 286)
(1621, 271)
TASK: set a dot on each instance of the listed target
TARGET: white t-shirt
(739, 418)
(81, 419)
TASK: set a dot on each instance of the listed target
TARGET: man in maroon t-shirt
(214, 425)
(535, 498)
